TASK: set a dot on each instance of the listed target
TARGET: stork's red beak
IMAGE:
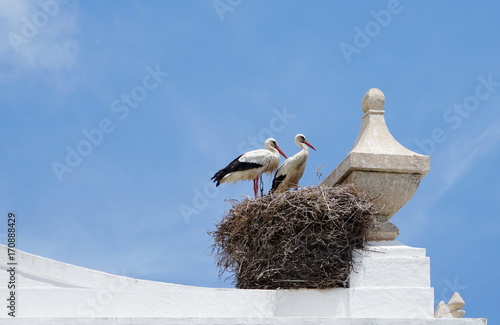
(310, 145)
(281, 152)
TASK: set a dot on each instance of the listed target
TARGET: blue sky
(155, 96)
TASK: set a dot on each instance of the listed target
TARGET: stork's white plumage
(289, 174)
(251, 165)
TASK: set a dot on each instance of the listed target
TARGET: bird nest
(298, 239)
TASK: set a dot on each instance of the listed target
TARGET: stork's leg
(256, 187)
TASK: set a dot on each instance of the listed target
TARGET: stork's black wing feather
(233, 166)
(277, 181)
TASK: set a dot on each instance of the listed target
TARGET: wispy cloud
(38, 36)
(448, 167)
(462, 153)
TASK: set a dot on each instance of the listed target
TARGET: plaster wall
(390, 283)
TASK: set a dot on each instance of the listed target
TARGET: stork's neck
(273, 150)
(302, 155)
(303, 146)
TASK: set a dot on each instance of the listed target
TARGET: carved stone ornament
(381, 167)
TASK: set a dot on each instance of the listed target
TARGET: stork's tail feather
(218, 176)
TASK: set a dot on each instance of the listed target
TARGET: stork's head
(272, 143)
(300, 138)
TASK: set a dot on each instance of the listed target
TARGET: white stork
(251, 165)
(289, 174)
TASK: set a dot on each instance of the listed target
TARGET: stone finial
(456, 304)
(453, 309)
(379, 165)
(374, 99)
(442, 311)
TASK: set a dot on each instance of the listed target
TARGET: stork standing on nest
(251, 165)
(289, 174)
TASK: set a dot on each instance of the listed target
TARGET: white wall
(391, 282)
